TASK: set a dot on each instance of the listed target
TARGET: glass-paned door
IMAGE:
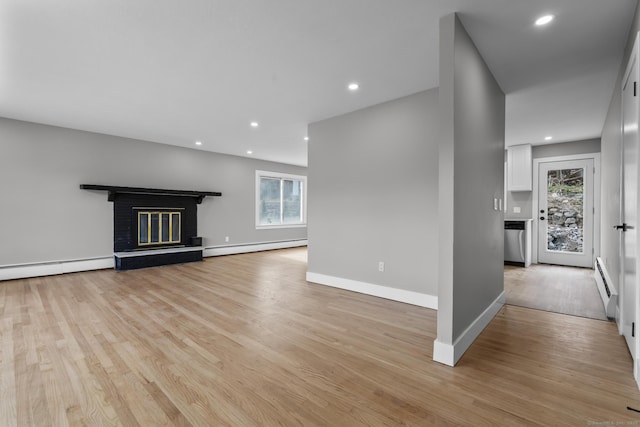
(566, 210)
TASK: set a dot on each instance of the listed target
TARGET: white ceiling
(175, 72)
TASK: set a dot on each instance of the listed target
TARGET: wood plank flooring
(244, 340)
(565, 290)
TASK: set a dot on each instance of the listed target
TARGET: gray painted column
(471, 245)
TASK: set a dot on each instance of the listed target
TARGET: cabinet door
(519, 167)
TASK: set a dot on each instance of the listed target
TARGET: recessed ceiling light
(198, 142)
(548, 138)
(306, 138)
(254, 124)
(249, 152)
(353, 86)
(544, 20)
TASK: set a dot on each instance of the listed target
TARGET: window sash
(280, 200)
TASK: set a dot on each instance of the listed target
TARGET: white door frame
(596, 200)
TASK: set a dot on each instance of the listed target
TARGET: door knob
(623, 227)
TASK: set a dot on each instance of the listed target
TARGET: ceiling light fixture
(544, 20)
(254, 124)
(249, 152)
(548, 138)
(353, 86)
(198, 142)
(306, 138)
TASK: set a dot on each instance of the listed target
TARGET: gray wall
(610, 162)
(524, 199)
(472, 108)
(373, 191)
(46, 217)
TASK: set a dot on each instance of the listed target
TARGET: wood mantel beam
(113, 190)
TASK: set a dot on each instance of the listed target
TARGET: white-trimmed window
(281, 200)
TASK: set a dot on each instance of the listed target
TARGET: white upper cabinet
(519, 168)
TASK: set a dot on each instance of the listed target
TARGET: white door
(629, 204)
(566, 211)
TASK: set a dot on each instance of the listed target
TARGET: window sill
(269, 227)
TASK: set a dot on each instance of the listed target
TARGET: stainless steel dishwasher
(514, 236)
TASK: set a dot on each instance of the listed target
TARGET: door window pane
(565, 211)
(155, 228)
(143, 225)
(165, 227)
(175, 229)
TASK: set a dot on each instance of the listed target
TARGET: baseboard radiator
(607, 290)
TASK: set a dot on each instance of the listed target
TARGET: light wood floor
(565, 290)
(243, 340)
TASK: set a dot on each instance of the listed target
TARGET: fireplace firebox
(157, 226)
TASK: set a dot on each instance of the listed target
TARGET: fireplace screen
(157, 228)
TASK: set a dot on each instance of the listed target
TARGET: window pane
(175, 218)
(143, 224)
(165, 227)
(269, 201)
(155, 230)
(565, 195)
(292, 207)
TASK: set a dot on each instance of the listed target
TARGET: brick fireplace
(154, 227)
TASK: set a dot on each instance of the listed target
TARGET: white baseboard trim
(23, 271)
(443, 353)
(449, 354)
(401, 295)
(53, 268)
(618, 322)
(252, 247)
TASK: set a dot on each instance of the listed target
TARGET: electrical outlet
(516, 209)
(226, 239)
(381, 266)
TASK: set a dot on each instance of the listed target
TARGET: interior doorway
(565, 239)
